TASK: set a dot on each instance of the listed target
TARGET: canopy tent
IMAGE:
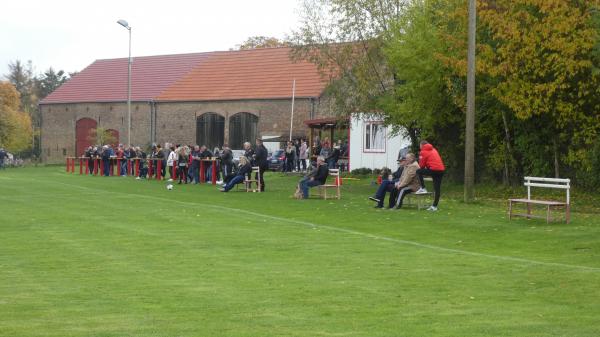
(326, 125)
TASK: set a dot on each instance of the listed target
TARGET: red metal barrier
(80, 166)
(137, 167)
(150, 167)
(73, 165)
(96, 164)
(129, 167)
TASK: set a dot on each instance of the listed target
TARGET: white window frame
(369, 126)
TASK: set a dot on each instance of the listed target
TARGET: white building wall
(360, 157)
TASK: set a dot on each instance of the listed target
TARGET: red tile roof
(228, 75)
(247, 74)
(106, 80)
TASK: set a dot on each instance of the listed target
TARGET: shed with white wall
(372, 144)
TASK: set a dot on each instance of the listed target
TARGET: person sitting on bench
(388, 186)
(244, 170)
(409, 181)
(431, 164)
(315, 178)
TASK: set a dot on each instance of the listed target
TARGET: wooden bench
(422, 199)
(335, 173)
(555, 183)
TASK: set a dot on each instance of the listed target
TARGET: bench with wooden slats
(555, 183)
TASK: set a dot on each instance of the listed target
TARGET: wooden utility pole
(470, 118)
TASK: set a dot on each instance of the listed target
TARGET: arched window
(243, 127)
(210, 130)
(82, 132)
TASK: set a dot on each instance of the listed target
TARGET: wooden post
(469, 188)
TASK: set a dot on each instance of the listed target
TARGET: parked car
(276, 160)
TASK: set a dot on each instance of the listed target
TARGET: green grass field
(92, 256)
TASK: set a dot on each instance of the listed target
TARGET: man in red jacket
(431, 165)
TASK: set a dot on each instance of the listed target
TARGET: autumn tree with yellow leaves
(15, 125)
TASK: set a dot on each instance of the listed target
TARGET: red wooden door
(83, 130)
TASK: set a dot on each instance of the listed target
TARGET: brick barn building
(203, 98)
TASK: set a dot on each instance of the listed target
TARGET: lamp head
(124, 23)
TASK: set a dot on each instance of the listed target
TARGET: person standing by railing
(3, 157)
(107, 153)
(171, 163)
(182, 164)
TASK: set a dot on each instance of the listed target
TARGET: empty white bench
(556, 183)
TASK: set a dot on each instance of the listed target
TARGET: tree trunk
(413, 134)
(508, 158)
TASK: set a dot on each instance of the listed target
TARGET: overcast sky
(71, 34)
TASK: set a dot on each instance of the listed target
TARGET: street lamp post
(128, 27)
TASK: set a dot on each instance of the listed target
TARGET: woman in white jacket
(170, 163)
(303, 154)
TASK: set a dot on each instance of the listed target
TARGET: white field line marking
(229, 210)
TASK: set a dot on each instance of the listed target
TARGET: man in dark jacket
(315, 178)
(333, 158)
(195, 165)
(88, 154)
(260, 160)
(387, 185)
(205, 154)
(160, 156)
(226, 161)
(107, 153)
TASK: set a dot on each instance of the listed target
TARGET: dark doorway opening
(210, 130)
(243, 127)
